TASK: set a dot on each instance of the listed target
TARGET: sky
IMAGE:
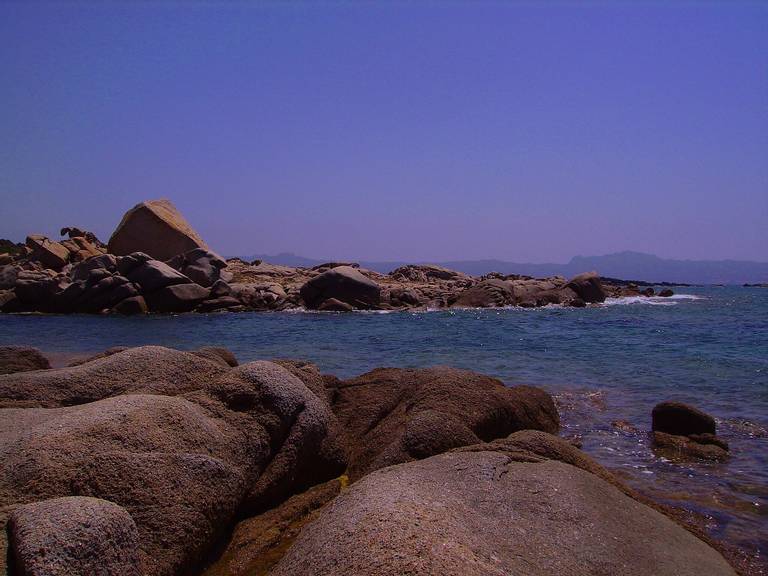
(529, 132)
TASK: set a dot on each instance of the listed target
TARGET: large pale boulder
(157, 228)
(489, 513)
(184, 443)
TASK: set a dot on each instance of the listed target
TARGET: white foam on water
(651, 300)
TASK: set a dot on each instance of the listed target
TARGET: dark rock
(222, 303)
(666, 293)
(132, 305)
(333, 305)
(177, 298)
(578, 303)
(393, 415)
(220, 289)
(21, 359)
(588, 287)
(76, 536)
(681, 419)
(648, 292)
(49, 253)
(82, 270)
(700, 447)
(427, 273)
(490, 511)
(153, 275)
(8, 275)
(487, 294)
(200, 266)
(217, 354)
(344, 284)
(156, 228)
(403, 296)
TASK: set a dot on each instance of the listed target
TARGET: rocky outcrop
(49, 253)
(75, 535)
(155, 262)
(588, 287)
(157, 228)
(393, 415)
(490, 511)
(680, 430)
(344, 284)
(183, 443)
(21, 359)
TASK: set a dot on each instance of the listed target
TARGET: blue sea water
(706, 346)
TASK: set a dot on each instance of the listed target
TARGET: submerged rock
(680, 430)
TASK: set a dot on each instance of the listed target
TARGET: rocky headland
(156, 262)
(151, 461)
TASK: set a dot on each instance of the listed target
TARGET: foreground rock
(182, 442)
(393, 415)
(494, 511)
(21, 359)
(157, 228)
(680, 430)
(75, 536)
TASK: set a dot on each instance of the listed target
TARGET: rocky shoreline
(152, 461)
(155, 262)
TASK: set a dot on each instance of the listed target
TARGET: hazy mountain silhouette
(625, 265)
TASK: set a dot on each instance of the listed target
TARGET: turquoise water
(708, 347)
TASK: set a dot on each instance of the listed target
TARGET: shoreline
(567, 427)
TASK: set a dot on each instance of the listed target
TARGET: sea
(606, 365)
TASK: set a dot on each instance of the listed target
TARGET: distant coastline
(635, 267)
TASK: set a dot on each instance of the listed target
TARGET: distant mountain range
(625, 265)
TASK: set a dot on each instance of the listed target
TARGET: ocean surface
(606, 365)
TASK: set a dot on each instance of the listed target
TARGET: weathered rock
(217, 354)
(49, 253)
(157, 228)
(588, 287)
(201, 266)
(666, 293)
(342, 283)
(486, 513)
(108, 352)
(131, 306)
(393, 415)
(153, 275)
(177, 298)
(148, 369)
(258, 543)
(21, 359)
(74, 536)
(333, 305)
(699, 446)
(82, 270)
(681, 419)
(219, 304)
(486, 294)
(8, 275)
(302, 428)
(238, 439)
(426, 273)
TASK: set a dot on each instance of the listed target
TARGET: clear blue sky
(416, 131)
